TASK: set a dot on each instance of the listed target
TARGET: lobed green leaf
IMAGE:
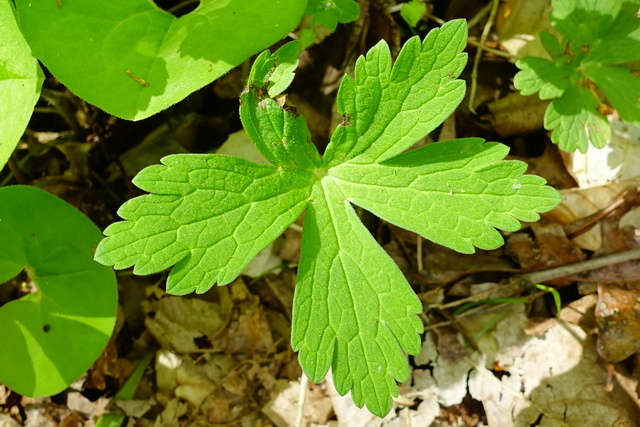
(598, 38)
(539, 74)
(353, 308)
(386, 109)
(454, 193)
(574, 121)
(209, 214)
(354, 311)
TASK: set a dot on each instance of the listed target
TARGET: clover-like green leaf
(354, 311)
(132, 59)
(51, 336)
(599, 40)
(20, 81)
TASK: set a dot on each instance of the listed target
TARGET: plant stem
(476, 62)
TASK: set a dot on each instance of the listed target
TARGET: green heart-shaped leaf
(50, 337)
(20, 81)
(132, 59)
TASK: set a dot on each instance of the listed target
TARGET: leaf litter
(225, 358)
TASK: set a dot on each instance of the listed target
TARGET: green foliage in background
(591, 66)
(133, 59)
(354, 311)
(51, 336)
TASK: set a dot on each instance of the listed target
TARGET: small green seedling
(590, 65)
(20, 82)
(51, 336)
(556, 296)
(412, 12)
(327, 14)
(133, 59)
(354, 311)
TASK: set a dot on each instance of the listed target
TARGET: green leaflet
(453, 192)
(575, 122)
(208, 214)
(600, 40)
(353, 308)
(387, 109)
(354, 311)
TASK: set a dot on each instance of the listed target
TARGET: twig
(529, 279)
(419, 253)
(435, 18)
(180, 5)
(302, 396)
(476, 62)
(496, 52)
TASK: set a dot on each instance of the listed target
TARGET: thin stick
(302, 396)
(529, 279)
(490, 49)
(435, 18)
(419, 253)
(476, 62)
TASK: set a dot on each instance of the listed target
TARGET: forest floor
(497, 349)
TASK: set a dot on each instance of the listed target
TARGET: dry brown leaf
(618, 318)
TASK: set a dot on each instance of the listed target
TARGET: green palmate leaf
(133, 59)
(600, 38)
(354, 311)
(20, 81)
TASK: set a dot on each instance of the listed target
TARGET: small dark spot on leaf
(46, 327)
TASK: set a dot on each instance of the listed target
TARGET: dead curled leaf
(618, 317)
